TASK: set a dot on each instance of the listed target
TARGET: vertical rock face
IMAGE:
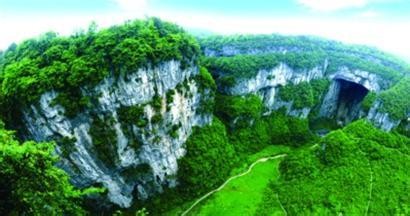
(280, 75)
(143, 155)
(342, 101)
(267, 82)
(381, 119)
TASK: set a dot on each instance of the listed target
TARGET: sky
(384, 24)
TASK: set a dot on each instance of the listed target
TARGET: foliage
(104, 140)
(301, 95)
(240, 109)
(403, 128)
(30, 184)
(207, 87)
(368, 101)
(239, 67)
(156, 102)
(395, 100)
(304, 94)
(337, 175)
(133, 115)
(205, 79)
(366, 131)
(65, 64)
(242, 195)
(274, 129)
(72, 102)
(238, 57)
(319, 87)
(208, 161)
(263, 44)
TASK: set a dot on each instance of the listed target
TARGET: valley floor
(242, 193)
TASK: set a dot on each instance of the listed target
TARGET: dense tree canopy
(251, 44)
(357, 170)
(232, 58)
(209, 160)
(396, 100)
(30, 184)
(65, 64)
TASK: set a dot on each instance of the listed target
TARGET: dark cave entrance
(349, 99)
(341, 105)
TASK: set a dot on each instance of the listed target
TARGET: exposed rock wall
(381, 119)
(267, 82)
(161, 141)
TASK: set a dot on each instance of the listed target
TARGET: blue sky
(381, 23)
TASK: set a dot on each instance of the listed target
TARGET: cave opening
(349, 100)
(341, 105)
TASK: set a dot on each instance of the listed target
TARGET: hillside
(143, 117)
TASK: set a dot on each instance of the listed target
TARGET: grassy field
(235, 198)
(242, 195)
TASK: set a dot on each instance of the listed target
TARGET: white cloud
(332, 5)
(369, 14)
(21, 26)
(136, 7)
(388, 36)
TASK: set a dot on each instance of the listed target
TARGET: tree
(209, 159)
(30, 184)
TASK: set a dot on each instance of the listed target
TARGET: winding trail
(281, 206)
(370, 183)
(230, 179)
(370, 188)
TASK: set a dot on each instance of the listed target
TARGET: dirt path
(370, 188)
(281, 206)
(230, 179)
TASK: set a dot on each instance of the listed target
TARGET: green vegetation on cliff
(209, 156)
(237, 57)
(214, 45)
(240, 67)
(239, 109)
(355, 170)
(104, 140)
(304, 94)
(66, 64)
(395, 100)
(31, 184)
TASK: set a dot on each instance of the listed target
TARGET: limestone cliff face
(160, 140)
(339, 102)
(381, 119)
(267, 82)
(346, 92)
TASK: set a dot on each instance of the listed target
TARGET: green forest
(354, 169)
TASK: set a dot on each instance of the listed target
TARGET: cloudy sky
(381, 23)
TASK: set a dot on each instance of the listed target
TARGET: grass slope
(242, 196)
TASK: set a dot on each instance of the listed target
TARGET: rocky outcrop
(233, 50)
(300, 113)
(267, 82)
(368, 80)
(161, 139)
(342, 101)
(381, 119)
(280, 75)
(346, 92)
